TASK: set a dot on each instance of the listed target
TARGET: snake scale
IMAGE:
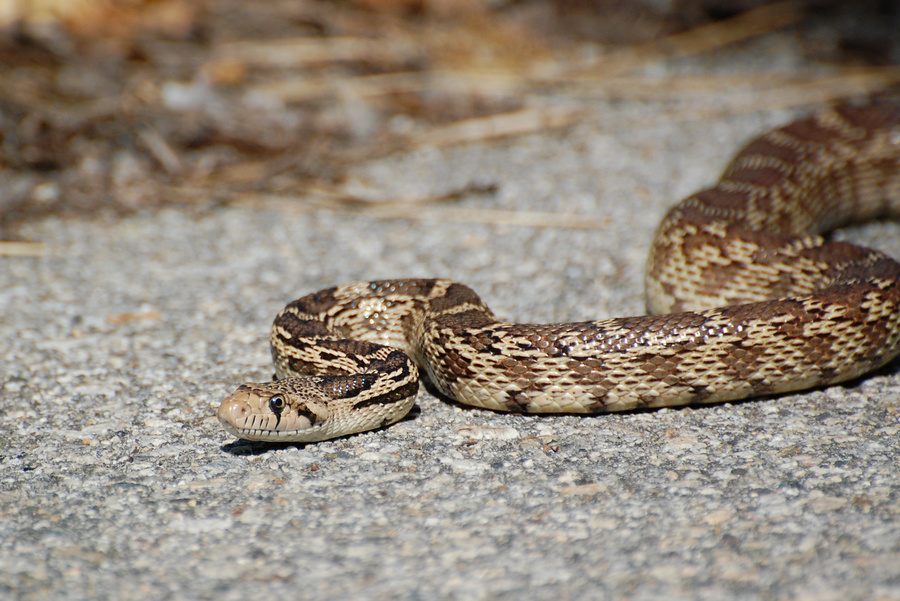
(746, 299)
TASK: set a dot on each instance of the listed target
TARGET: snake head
(285, 410)
(315, 408)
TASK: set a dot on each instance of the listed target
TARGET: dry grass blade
(303, 88)
(21, 249)
(423, 209)
(300, 52)
(854, 84)
(535, 219)
(294, 88)
(162, 151)
(516, 123)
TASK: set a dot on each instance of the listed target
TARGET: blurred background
(116, 106)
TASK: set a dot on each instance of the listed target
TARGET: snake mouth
(234, 411)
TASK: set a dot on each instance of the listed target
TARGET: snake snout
(234, 410)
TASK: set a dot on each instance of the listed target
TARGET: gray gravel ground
(117, 345)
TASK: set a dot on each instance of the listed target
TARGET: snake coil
(748, 299)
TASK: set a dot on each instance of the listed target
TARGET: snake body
(749, 299)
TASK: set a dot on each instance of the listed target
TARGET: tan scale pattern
(751, 300)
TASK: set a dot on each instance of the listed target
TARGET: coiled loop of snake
(750, 300)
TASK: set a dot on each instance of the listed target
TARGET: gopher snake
(346, 358)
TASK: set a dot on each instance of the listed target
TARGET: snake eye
(276, 403)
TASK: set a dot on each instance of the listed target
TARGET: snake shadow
(241, 446)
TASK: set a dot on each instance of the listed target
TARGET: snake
(746, 297)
